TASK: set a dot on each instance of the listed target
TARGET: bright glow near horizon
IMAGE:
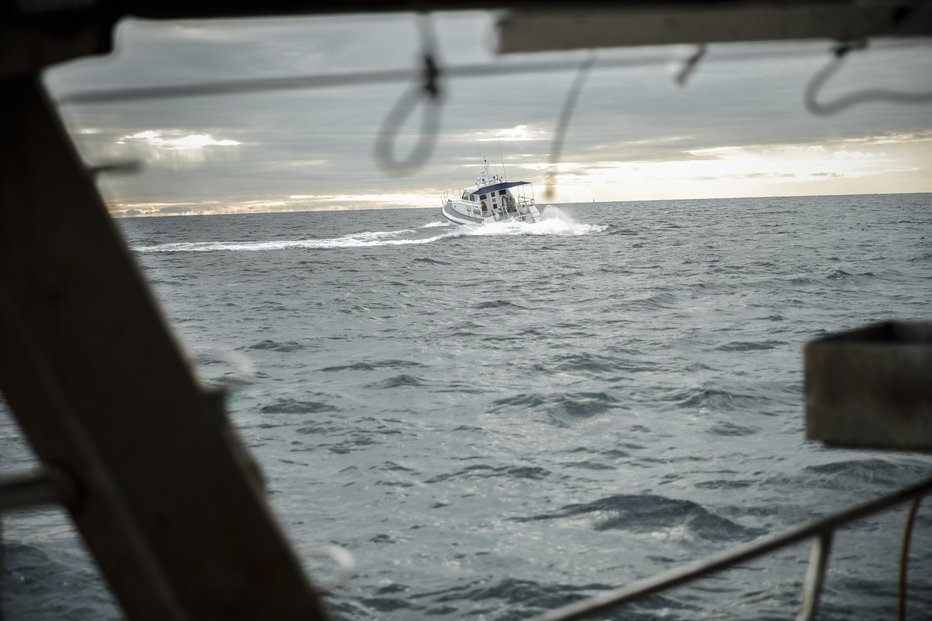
(876, 165)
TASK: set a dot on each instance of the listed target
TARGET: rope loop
(839, 53)
(428, 88)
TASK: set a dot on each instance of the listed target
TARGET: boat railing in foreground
(821, 531)
(864, 388)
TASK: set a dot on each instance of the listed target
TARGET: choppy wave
(855, 473)
(491, 435)
(372, 366)
(650, 513)
(279, 346)
(397, 381)
(591, 362)
(715, 399)
(484, 471)
(563, 408)
(840, 274)
(296, 406)
(739, 346)
(33, 577)
(507, 599)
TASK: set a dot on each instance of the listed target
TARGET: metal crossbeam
(49, 487)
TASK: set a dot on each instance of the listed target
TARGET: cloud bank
(738, 128)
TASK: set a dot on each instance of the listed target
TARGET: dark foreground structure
(98, 385)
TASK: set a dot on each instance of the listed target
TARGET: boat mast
(502, 159)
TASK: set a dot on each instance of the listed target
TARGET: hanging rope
(428, 89)
(689, 65)
(904, 558)
(839, 53)
(469, 71)
(566, 113)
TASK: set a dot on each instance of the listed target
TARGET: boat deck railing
(820, 531)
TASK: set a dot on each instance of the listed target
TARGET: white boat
(492, 199)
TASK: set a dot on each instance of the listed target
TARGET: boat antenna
(504, 174)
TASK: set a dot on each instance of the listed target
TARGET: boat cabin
(495, 199)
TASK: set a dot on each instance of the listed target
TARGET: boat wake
(554, 222)
(422, 235)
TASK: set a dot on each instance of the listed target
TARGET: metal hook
(429, 89)
(839, 53)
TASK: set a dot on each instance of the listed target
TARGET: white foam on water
(553, 222)
(353, 240)
(431, 225)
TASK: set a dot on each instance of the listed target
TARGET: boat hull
(464, 212)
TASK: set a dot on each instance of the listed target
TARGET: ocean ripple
(484, 471)
(372, 366)
(853, 474)
(739, 346)
(284, 347)
(397, 381)
(515, 592)
(294, 406)
(714, 398)
(562, 407)
(650, 513)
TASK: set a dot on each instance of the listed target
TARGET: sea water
(499, 420)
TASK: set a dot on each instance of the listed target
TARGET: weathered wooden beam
(165, 500)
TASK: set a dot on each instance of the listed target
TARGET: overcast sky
(737, 128)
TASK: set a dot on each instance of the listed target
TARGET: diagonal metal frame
(165, 496)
